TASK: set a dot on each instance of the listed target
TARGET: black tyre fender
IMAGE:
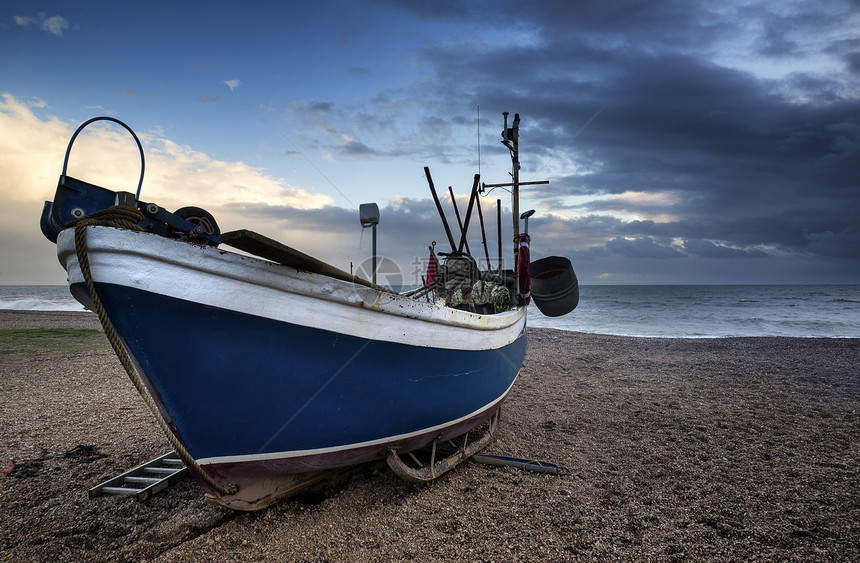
(198, 216)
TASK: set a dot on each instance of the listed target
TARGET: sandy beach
(672, 450)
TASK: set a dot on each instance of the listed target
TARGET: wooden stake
(457, 214)
(439, 209)
(469, 211)
(483, 232)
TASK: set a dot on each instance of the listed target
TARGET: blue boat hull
(271, 376)
(239, 388)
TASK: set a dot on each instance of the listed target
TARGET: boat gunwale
(372, 308)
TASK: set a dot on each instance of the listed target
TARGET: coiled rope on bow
(126, 217)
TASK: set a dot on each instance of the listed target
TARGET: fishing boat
(269, 370)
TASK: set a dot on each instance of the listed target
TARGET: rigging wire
(309, 161)
(585, 126)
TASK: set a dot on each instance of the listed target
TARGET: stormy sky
(684, 142)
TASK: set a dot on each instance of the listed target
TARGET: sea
(668, 311)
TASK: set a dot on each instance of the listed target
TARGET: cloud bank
(31, 159)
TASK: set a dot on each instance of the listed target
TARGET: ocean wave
(46, 301)
(40, 305)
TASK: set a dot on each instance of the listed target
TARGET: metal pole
(374, 254)
(499, 224)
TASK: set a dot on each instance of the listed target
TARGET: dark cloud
(641, 248)
(320, 107)
(356, 148)
(852, 59)
(755, 165)
(707, 249)
(679, 129)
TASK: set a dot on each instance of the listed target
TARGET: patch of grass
(51, 340)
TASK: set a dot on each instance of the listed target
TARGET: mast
(511, 140)
(513, 144)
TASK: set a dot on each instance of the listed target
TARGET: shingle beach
(672, 450)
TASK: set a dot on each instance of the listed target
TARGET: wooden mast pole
(511, 139)
(515, 158)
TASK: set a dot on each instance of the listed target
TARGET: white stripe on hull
(230, 281)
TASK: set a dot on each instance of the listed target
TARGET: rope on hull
(126, 217)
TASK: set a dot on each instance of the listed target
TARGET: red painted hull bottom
(264, 482)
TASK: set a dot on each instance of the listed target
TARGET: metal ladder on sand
(144, 480)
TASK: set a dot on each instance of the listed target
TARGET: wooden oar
(264, 247)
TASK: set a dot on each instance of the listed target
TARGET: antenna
(479, 143)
